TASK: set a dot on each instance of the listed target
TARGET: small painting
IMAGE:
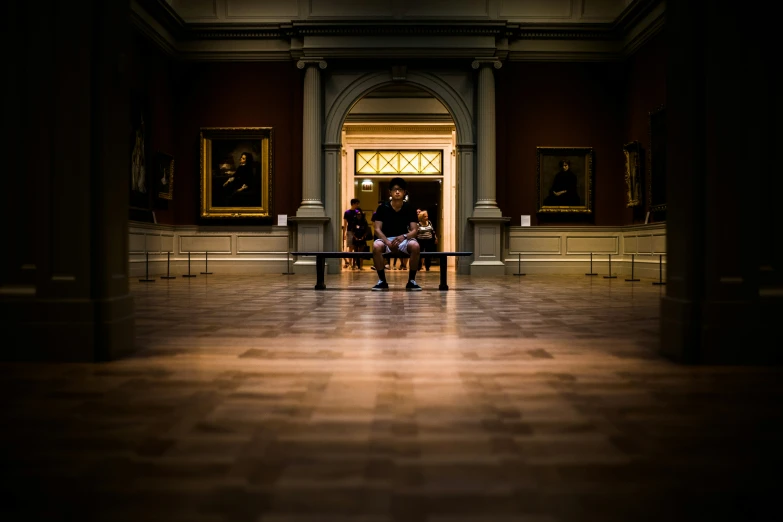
(164, 175)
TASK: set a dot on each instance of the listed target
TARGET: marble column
(486, 205)
(487, 220)
(312, 177)
(311, 220)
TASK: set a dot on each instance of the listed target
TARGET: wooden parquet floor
(509, 399)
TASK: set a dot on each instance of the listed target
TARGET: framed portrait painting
(164, 175)
(564, 179)
(139, 160)
(633, 173)
(236, 172)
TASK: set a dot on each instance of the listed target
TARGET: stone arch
(447, 95)
(457, 103)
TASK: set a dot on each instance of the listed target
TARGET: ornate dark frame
(586, 154)
(633, 174)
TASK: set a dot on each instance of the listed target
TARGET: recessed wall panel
(596, 245)
(351, 8)
(659, 244)
(136, 243)
(190, 9)
(536, 8)
(487, 242)
(216, 244)
(153, 243)
(630, 245)
(262, 8)
(644, 245)
(534, 245)
(167, 243)
(601, 10)
(259, 244)
(447, 8)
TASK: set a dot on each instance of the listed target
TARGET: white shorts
(403, 246)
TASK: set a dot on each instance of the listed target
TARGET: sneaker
(382, 285)
(386, 267)
(372, 267)
(412, 286)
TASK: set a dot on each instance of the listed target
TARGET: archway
(344, 89)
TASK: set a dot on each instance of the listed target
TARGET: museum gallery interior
(601, 346)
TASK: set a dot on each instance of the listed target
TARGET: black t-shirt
(395, 222)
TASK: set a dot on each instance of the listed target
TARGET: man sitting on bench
(393, 219)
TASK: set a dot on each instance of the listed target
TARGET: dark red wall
(560, 105)
(152, 77)
(239, 94)
(646, 88)
(598, 105)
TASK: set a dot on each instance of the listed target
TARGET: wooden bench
(320, 262)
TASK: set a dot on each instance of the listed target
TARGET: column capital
(495, 62)
(304, 62)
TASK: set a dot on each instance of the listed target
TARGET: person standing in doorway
(348, 220)
(427, 238)
(396, 226)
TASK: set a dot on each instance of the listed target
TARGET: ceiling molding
(244, 41)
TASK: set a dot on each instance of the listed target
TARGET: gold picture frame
(233, 187)
(562, 189)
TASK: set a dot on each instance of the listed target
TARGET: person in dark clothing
(396, 226)
(563, 191)
(240, 189)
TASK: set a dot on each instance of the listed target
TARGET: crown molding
(467, 39)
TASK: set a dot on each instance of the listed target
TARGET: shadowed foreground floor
(525, 399)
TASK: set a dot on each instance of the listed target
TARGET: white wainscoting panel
(251, 250)
(211, 244)
(608, 244)
(539, 249)
(535, 245)
(136, 242)
(261, 244)
(659, 243)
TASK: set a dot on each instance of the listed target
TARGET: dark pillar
(719, 110)
(64, 278)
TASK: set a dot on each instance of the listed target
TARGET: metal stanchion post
(519, 266)
(168, 268)
(591, 266)
(660, 280)
(189, 274)
(632, 261)
(147, 270)
(288, 263)
(610, 276)
(206, 264)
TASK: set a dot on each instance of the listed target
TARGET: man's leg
(378, 249)
(413, 251)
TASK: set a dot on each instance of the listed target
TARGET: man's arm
(379, 233)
